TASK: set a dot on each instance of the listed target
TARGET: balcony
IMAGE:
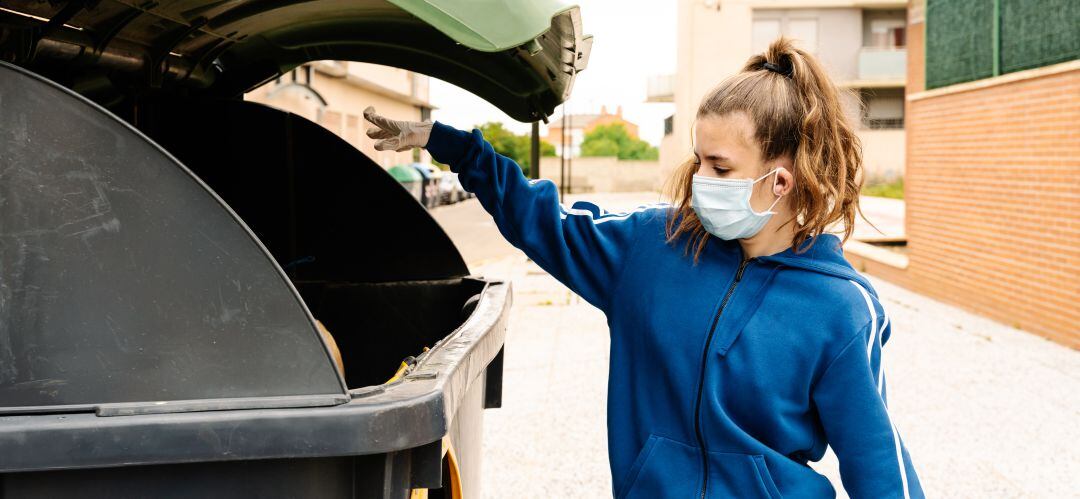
(661, 88)
(882, 67)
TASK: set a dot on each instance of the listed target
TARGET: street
(985, 410)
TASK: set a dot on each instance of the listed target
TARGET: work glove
(396, 135)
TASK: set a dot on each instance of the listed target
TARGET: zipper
(701, 379)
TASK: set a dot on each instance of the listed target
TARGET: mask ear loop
(777, 200)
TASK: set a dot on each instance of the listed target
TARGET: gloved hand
(396, 135)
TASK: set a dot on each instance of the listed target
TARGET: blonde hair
(797, 112)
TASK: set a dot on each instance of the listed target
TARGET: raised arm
(583, 247)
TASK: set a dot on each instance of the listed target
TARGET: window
(883, 108)
(764, 32)
(805, 32)
(888, 33)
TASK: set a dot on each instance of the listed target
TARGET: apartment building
(861, 43)
(335, 93)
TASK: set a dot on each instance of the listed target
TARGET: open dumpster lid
(126, 280)
(524, 60)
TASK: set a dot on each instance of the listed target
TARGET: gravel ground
(985, 410)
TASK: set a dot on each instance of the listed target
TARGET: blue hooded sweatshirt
(726, 377)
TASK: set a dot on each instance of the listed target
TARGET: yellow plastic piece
(454, 477)
(334, 352)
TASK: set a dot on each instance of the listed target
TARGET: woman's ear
(785, 181)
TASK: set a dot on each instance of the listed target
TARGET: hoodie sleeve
(851, 403)
(584, 249)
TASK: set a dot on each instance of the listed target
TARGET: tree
(513, 146)
(614, 140)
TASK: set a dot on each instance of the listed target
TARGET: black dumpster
(179, 268)
(158, 307)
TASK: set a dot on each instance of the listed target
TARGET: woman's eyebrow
(713, 157)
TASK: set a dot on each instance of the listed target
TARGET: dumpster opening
(376, 325)
(364, 254)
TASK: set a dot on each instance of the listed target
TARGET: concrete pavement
(985, 410)
(886, 215)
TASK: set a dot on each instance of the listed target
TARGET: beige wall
(883, 154)
(398, 80)
(393, 92)
(714, 43)
(839, 37)
(606, 174)
(675, 154)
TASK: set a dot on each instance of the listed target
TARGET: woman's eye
(720, 170)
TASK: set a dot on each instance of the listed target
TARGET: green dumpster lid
(523, 60)
(404, 173)
(471, 22)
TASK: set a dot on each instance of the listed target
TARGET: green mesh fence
(1037, 33)
(959, 41)
(972, 39)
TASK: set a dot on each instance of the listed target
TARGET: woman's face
(725, 147)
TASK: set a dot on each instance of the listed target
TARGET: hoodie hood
(825, 256)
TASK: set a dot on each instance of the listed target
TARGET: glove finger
(378, 133)
(390, 144)
(380, 121)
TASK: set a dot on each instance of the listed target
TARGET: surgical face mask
(723, 206)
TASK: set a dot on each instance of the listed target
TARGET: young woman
(742, 342)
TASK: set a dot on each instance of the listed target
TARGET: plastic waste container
(429, 183)
(410, 179)
(157, 336)
(168, 251)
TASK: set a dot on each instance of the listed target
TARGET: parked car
(450, 189)
(431, 177)
(170, 252)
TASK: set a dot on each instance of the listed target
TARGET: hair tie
(776, 69)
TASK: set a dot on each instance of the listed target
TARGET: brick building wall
(916, 45)
(993, 198)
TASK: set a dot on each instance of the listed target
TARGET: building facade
(335, 93)
(862, 45)
(993, 170)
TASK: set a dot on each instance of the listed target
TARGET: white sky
(632, 40)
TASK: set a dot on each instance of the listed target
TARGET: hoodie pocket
(631, 474)
(664, 468)
(740, 475)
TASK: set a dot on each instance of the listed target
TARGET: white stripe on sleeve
(875, 339)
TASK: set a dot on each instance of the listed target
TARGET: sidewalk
(886, 214)
(985, 410)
